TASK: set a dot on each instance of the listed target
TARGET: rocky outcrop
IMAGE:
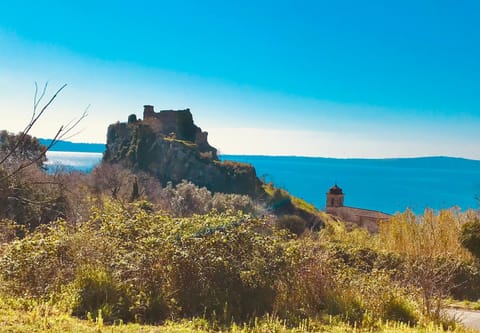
(170, 146)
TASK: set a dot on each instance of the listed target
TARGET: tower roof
(335, 190)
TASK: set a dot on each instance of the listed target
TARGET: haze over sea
(388, 185)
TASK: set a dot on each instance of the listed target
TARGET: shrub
(325, 283)
(224, 202)
(21, 147)
(97, 292)
(309, 290)
(431, 234)
(229, 271)
(466, 282)
(470, 237)
(37, 264)
(10, 230)
(398, 309)
(134, 264)
(31, 198)
(293, 223)
(187, 199)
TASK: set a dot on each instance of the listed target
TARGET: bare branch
(69, 128)
(32, 122)
(62, 132)
(34, 101)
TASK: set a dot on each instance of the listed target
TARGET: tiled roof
(367, 213)
(335, 190)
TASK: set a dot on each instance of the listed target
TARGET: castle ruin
(178, 125)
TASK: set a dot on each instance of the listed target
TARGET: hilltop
(169, 146)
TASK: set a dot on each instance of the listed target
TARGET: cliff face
(170, 146)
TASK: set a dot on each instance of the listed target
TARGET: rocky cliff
(170, 146)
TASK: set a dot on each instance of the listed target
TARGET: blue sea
(388, 185)
(72, 161)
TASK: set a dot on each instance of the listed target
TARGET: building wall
(364, 218)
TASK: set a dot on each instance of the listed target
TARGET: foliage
(113, 180)
(132, 263)
(466, 282)
(129, 250)
(97, 292)
(428, 235)
(23, 148)
(153, 265)
(423, 253)
(115, 246)
(31, 198)
(293, 223)
(434, 256)
(470, 237)
(26, 317)
(28, 196)
(187, 199)
(284, 205)
(9, 231)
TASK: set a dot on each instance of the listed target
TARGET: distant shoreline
(386, 185)
(74, 146)
(81, 147)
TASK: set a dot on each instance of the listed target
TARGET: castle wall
(178, 124)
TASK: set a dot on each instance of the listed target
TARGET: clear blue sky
(321, 78)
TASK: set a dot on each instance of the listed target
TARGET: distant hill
(74, 146)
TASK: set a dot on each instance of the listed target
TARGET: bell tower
(334, 197)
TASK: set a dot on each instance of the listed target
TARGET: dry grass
(428, 235)
(22, 318)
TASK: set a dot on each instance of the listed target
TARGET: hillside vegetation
(117, 250)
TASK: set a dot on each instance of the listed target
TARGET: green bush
(467, 282)
(398, 309)
(37, 264)
(187, 199)
(346, 306)
(129, 262)
(470, 237)
(229, 270)
(293, 223)
(97, 292)
(135, 264)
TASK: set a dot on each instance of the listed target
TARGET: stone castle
(179, 125)
(170, 147)
(365, 218)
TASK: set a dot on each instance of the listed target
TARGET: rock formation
(170, 146)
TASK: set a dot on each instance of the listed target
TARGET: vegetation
(131, 263)
(27, 317)
(115, 250)
(470, 236)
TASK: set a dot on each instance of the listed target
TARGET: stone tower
(334, 197)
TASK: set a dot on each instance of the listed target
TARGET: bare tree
(39, 110)
(433, 278)
(29, 196)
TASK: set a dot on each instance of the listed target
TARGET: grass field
(22, 317)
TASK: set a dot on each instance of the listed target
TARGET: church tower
(334, 197)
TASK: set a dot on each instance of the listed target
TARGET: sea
(388, 185)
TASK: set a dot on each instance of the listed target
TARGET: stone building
(178, 124)
(364, 218)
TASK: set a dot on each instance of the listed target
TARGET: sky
(368, 79)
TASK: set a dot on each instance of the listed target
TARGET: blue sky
(315, 78)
